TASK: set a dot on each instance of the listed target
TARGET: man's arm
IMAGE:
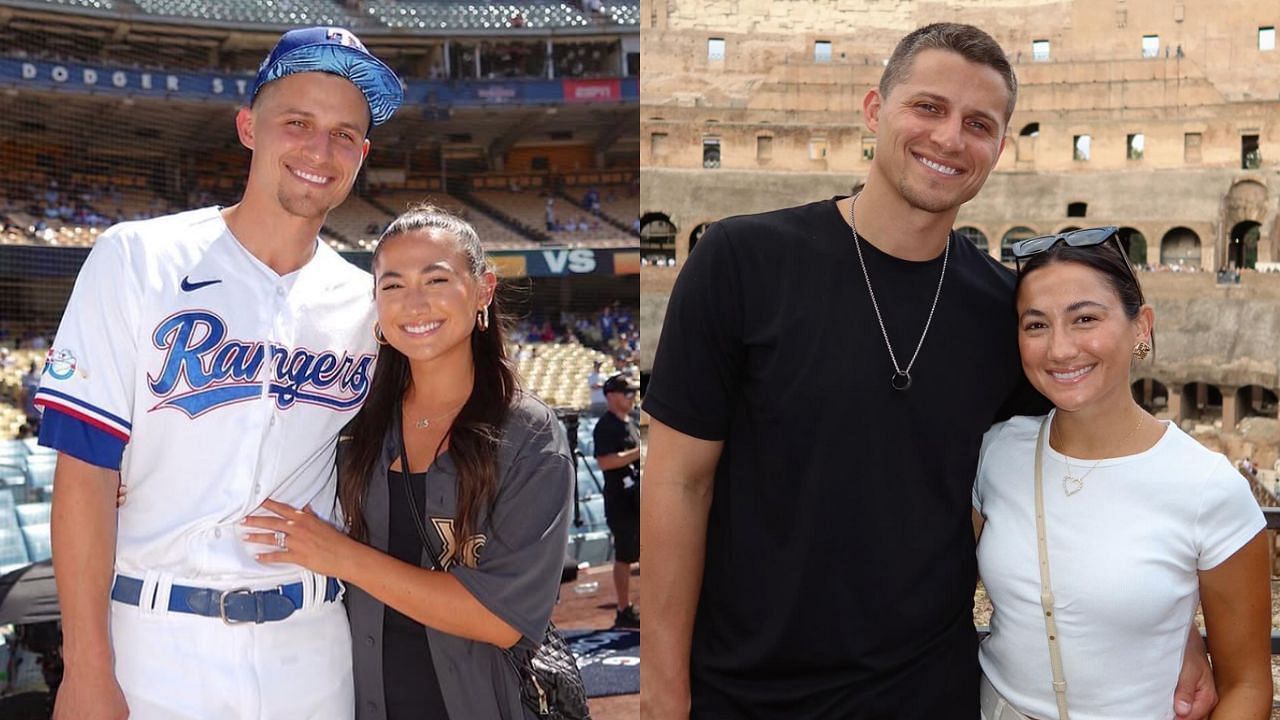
(1195, 695)
(613, 461)
(84, 540)
(674, 506)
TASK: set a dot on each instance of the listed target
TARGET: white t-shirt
(1124, 553)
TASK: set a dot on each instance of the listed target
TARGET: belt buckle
(222, 605)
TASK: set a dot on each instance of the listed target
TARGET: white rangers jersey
(212, 383)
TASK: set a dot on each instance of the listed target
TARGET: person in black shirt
(822, 383)
(617, 449)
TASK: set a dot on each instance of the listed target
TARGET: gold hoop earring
(377, 334)
(482, 318)
(1142, 350)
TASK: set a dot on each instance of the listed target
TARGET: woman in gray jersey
(456, 486)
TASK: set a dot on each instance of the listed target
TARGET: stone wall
(773, 109)
(1153, 203)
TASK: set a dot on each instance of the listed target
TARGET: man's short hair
(967, 41)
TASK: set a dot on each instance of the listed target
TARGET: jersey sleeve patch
(81, 437)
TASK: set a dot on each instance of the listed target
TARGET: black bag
(550, 682)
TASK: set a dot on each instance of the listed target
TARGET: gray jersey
(518, 556)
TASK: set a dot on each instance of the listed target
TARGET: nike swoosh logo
(188, 286)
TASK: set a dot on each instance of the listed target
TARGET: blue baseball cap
(339, 52)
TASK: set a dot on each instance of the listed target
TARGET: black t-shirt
(410, 683)
(840, 566)
(612, 435)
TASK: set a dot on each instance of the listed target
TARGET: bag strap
(1046, 591)
(418, 525)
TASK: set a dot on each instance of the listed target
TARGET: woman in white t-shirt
(1140, 522)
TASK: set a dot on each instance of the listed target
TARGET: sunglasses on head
(1088, 237)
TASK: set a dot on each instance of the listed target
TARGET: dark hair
(475, 432)
(1104, 259)
(967, 41)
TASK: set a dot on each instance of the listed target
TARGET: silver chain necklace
(901, 379)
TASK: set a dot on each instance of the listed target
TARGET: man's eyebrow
(310, 115)
(940, 100)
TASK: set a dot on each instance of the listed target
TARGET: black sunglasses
(1088, 237)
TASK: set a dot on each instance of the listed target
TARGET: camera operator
(617, 448)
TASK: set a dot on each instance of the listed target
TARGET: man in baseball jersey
(210, 358)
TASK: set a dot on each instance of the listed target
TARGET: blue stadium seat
(85, 4)
(464, 15)
(280, 12)
(10, 448)
(39, 546)
(13, 547)
(40, 474)
(35, 513)
(13, 472)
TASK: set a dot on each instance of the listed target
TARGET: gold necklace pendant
(423, 424)
(1072, 484)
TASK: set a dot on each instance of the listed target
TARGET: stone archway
(1151, 394)
(1245, 210)
(657, 239)
(1256, 401)
(1242, 245)
(1201, 401)
(1135, 245)
(1180, 247)
(1011, 237)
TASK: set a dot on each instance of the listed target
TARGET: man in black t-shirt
(818, 398)
(617, 448)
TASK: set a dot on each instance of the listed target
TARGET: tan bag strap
(1046, 591)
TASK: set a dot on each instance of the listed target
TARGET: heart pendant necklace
(1071, 484)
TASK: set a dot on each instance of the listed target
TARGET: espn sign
(588, 91)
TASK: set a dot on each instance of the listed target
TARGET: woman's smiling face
(426, 294)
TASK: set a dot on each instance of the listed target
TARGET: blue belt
(240, 605)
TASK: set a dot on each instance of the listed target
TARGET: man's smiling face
(940, 131)
(307, 132)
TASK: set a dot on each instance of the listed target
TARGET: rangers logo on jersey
(204, 370)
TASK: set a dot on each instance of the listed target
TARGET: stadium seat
(280, 12)
(33, 513)
(13, 547)
(33, 519)
(40, 474)
(493, 234)
(38, 541)
(462, 15)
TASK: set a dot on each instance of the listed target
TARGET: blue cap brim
(379, 83)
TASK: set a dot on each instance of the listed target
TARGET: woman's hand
(298, 536)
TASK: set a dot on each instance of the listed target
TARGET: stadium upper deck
(421, 16)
